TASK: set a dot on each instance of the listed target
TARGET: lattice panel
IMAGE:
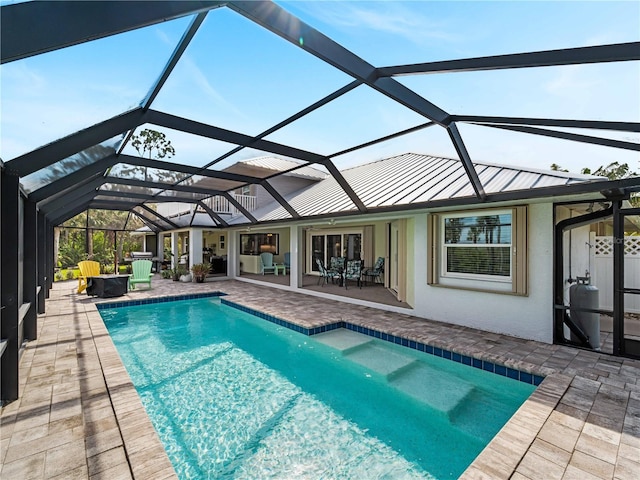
(604, 246)
(632, 246)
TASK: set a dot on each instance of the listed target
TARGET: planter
(200, 278)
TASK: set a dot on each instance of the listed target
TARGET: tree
(153, 144)
(613, 171)
(557, 168)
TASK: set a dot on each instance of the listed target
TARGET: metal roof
(414, 179)
(281, 165)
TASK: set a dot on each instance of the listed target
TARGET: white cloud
(387, 17)
(572, 80)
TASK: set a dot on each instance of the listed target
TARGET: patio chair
(141, 273)
(266, 263)
(88, 268)
(325, 274)
(353, 272)
(287, 262)
(336, 265)
(376, 272)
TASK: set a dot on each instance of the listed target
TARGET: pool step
(342, 339)
(380, 359)
(439, 390)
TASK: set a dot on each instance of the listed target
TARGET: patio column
(295, 273)
(30, 271)
(195, 246)
(9, 347)
(50, 234)
(160, 249)
(174, 250)
(233, 257)
(42, 261)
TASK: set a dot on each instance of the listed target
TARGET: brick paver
(79, 415)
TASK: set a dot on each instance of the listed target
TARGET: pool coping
(499, 458)
(582, 421)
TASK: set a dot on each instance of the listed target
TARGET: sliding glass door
(325, 245)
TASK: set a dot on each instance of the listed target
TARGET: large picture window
(257, 243)
(483, 250)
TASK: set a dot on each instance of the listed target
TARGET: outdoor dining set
(340, 270)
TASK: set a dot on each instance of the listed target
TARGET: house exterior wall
(528, 316)
(170, 209)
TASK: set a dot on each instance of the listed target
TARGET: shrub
(70, 275)
(167, 273)
(58, 276)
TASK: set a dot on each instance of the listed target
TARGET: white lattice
(604, 246)
(632, 246)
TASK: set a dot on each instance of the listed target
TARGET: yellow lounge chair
(141, 273)
(88, 268)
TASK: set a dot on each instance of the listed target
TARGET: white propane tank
(584, 295)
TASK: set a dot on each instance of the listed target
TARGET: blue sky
(239, 76)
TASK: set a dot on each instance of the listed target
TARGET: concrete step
(342, 339)
(439, 390)
(380, 359)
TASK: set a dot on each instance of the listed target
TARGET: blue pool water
(234, 396)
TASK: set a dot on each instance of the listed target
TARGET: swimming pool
(234, 396)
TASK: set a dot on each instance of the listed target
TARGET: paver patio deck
(79, 416)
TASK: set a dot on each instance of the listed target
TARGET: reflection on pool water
(234, 396)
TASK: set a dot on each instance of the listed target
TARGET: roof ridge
(556, 173)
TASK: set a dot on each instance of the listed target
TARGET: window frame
(258, 244)
(444, 272)
(516, 283)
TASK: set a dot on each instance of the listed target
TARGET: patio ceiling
(88, 169)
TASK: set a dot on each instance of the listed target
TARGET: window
(323, 246)
(482, 250)
(257, 243)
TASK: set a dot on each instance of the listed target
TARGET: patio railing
(221, 204)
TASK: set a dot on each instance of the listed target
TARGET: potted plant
(168, 273)
(178, 272)
(200, 271)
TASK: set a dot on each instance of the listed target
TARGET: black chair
(376, 272)
(325, 274)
